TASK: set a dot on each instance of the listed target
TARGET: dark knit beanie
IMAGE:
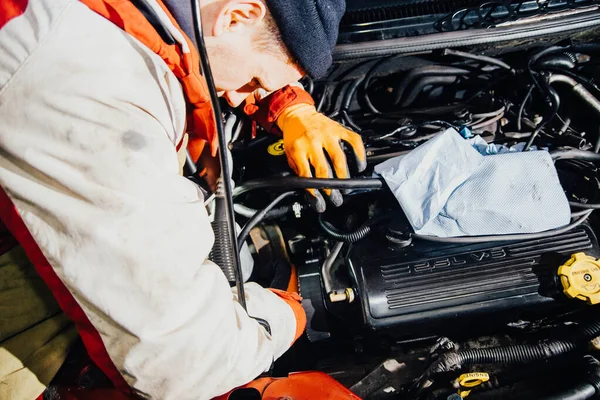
(309, 29)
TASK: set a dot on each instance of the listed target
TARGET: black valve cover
(440, 283)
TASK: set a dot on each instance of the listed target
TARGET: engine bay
(392, 315)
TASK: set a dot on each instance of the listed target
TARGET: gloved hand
(307, 135)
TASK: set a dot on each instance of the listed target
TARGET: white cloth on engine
(487, 149)
(89, 123)
(447, 188)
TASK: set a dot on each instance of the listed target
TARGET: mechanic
(98, 101)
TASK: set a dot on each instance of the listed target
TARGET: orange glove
(307, 135)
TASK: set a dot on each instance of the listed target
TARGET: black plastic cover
(369, 20)
(438, 282)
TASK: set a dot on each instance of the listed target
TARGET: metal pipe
(327, 268)
(565, 126)
(578, 88)
(335, 295)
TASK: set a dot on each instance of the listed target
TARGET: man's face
(238, 65)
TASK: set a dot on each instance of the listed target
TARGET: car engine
(392, 315)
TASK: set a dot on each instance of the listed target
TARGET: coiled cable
(352, 237)
(521, 353)
(228, 233)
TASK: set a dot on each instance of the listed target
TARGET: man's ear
(239, 14)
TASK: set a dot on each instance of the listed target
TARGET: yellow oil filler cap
(580, 278)
(470, 380)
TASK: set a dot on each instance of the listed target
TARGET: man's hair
(269, 39)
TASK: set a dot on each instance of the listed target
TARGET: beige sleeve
(90, 120)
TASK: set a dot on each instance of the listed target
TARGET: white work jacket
(89, 123)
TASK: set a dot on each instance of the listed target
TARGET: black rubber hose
(506, 237)
(346, 104)
(248, 212)
(367, 82)
(587, 389)
(571, 140)
(282, 275)
(229, 234)
(576, 87)
(568, 153)
(535, 58)
(428, 70)
(586, 48)
(477, 57)
(351, 237)
(547, 119)
(258, 217)
(522, 353)
(522, 107)
(546, 52)
(556, 61)
(350, 93)
(324, 95)
(341, 88)
(419, 85)
(578, 214)
(310, 84)
(296, 182)
(348, 119)
(584, 206)
(550, 95)
(589, 331)
(581, 391)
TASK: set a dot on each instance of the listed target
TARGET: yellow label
(276, 149)
(470, 380)
(473, 379)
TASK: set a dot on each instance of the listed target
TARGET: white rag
(449, 187)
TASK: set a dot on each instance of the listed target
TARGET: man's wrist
(267, 110)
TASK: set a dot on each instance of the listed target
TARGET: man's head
(251, 44)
